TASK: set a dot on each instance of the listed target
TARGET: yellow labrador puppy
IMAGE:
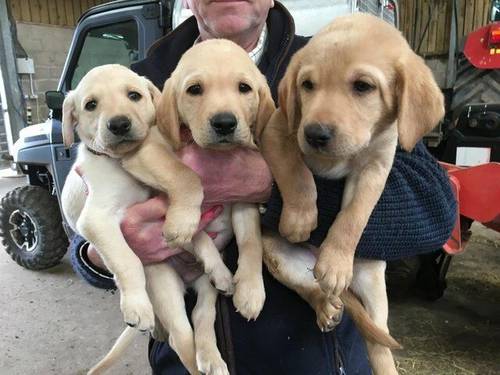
(220, 110)
(113, 111)
(345, 102)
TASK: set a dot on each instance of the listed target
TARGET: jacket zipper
(339, 361)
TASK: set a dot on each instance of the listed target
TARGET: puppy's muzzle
(119, 125)
(318, 135)
(224, 123)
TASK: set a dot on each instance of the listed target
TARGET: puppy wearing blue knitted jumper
(345, 103)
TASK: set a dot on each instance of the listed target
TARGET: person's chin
(228, 3)
(230, 25)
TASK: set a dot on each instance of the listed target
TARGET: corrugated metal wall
(51, 12)
(414, 16)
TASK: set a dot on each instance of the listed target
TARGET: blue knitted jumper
(414, 215)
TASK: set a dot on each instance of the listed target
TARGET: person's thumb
(209, 215)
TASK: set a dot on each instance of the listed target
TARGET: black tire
(401, 276)
(31, 228)
(94, 276)
(431, 278)
(423, 275)
(474, 85)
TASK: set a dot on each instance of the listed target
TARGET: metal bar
(5, 114)
(451, 67)
(13, 92)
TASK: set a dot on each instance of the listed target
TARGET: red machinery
(477, 189)
(482, 48)
(468, 142)
(478, 194)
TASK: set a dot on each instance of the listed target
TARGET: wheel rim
(23, 232)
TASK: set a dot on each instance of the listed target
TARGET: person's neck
(247, 41)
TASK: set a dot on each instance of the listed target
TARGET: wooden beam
(25, 11)
(15, 8)
(35, 9)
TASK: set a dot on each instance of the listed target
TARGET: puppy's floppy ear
(420, 101)
(69, 121)
(167, 115)
(153, 91)
(266, 108)
(287, 94)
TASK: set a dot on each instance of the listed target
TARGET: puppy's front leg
(362, 192)
(249, 295)
(294, 179)
(102, 229)
(208, 357)
(166, 289)
(292, 264)
(157, 166)
(205, 251)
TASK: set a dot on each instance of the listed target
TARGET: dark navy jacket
(415, 215)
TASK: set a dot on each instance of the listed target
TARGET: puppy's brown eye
(134, 96)
(244, 88)
(195, 89)
(308, 85)
(90, 105)
(362, 87)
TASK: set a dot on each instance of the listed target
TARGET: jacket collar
(165, 53)
(281, 33)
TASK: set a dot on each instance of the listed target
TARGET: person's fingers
(209, 215)
(143, 226)
(159, 255)
(229, 184)
(150, 210)
(136, 216)
(147, 240)
(94, 257)
(212, 235)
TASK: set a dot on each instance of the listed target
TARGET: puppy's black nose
(224, 123)
(317, 135)
(119, 125)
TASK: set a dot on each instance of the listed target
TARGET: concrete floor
(459, 333)
(55, 323)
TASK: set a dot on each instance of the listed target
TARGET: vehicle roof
(112, 5)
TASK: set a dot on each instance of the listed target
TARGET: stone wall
(48, 47)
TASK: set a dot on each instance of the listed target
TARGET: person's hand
(238, 175)
(142, 228)
(227, 176)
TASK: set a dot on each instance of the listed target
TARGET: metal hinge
(151, 11)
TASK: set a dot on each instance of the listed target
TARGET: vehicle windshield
(109, 44)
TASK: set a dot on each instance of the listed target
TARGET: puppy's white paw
(181, 225)
(137, 311)
(297, 223)
(329, 311)
(249, 295)
(333, 271)
(210, 362)
(222, 279)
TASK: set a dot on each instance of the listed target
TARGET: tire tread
(44, 209)
(474, 85)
